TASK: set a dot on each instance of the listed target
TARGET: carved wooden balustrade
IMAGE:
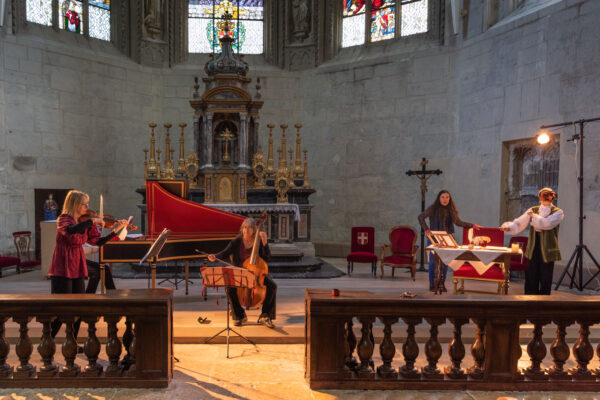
(142, 357)
(337, 359)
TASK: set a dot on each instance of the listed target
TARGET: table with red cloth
(480, 258)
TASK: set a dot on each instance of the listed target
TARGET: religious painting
(206, 25)
(224, 190)
(71, 16)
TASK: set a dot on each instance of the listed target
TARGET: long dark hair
(440, 211)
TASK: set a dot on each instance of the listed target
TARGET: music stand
(153, 253)
(228, 277)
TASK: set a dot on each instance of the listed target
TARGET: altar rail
(336, 359)
(146, 344)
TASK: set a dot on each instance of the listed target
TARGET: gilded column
(207, 140)
(243, 141)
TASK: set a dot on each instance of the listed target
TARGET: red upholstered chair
(404, 250)
(6, 262)
(518, 263)
(493, 274)
(22, 243)
(362, 248)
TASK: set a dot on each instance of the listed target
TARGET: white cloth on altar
(485, 257)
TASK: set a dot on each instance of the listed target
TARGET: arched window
(246, 25)
(381, 22)
(72, 16)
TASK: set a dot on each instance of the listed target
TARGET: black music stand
(153, 253)
(228, 277)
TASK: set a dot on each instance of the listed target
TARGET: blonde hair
(73, 200)
(248, 222)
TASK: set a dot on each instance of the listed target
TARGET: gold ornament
(258, 167)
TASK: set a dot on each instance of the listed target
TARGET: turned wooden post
(127, 340)
(456, 350)
(5, 369)
(583, 352)
(365, 349)
(433, 349)
(410, 350)
(131, 371)
(47, 349)
(537, 351)
(478, 349)
(387, 349)
(113, 347)
(92, 348)
(559, 350)
(349, 346)
(69, 349)
(24, 348)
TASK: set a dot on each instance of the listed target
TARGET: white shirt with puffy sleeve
(543, 221)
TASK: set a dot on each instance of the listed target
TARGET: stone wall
(369, 115)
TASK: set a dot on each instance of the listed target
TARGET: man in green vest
(542, 246)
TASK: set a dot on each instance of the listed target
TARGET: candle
(101, 210)
(514, 247)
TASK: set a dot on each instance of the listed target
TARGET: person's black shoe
(266, 321)
(431, 287)
(239, 322)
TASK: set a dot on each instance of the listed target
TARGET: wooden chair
(22, 243)
(518, 263)
(404, 250)
(362, 248)
(466, 271)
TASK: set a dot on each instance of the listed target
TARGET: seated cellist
(240, 249)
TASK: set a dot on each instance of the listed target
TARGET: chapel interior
(329, 115)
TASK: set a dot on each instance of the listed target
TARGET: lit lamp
(543, 137)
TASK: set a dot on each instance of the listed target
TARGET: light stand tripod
(576, 258)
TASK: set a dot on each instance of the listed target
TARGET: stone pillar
(243, 140)
(207, 140)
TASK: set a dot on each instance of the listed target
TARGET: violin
(109, 220)
(255, 264)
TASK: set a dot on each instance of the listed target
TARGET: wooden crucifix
(423, 174)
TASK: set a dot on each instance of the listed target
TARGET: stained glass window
(39, 11)
(414, 18)
(353, 22)
(381, 23)
(246, 26)
(70, 15)
(383, 19)
(99, 11)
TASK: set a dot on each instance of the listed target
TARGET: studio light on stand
(576, 259)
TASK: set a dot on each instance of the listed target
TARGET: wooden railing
(146, 344)
(337, 359)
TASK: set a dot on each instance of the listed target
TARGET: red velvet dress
(69, 258)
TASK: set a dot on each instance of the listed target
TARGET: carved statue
(301, 17)
(153, 18)
(50, 209)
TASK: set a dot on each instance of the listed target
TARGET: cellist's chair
(362, 248)
(404, 250)
(22, 243)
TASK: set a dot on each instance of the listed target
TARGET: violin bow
(218, 259)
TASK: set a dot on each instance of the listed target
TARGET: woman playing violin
(240, 249)
(68, 268)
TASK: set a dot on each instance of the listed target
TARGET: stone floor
(273, 369)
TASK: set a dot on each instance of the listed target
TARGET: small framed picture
(442, 239)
